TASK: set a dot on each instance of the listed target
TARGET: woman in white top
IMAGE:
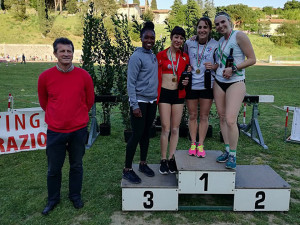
(229, 86)
(201, 53)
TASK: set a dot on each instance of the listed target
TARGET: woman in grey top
(142, 83)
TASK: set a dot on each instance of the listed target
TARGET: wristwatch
(234, 69)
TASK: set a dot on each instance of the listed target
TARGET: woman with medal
(229, 86)
(171, 63)
(201, 53)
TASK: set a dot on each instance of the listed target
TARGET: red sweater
(162, 58)
(66, 98)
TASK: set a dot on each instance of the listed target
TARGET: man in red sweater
(66, 94)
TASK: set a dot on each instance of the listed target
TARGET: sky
(166, 4)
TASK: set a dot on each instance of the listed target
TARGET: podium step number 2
(253, 187)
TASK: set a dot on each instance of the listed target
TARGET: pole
(286, 122)
(9, 103)
(244, 117)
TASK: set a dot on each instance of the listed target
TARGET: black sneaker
(145, 169)
(131, 176)
(164, 168)
(172, 166)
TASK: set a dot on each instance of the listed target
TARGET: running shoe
(172, 166)
(145, 169)
(131, 176)
(200, 151)
(231, 162)
(163, 169)
(193, 149)
(223, 158)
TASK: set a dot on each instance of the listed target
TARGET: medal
(174, 79)
(199, 60)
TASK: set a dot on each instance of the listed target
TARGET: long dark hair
(208, 22)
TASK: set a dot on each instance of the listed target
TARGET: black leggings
(140, 132)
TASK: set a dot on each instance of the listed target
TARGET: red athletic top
(163, 67)
(66, 98)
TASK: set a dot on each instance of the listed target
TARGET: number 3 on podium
(149, 200)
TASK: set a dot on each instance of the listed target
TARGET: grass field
(23, 190)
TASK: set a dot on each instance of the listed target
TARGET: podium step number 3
(158, 193)
(253, 187)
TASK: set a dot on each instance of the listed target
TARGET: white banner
(22, 130)
(295, 134)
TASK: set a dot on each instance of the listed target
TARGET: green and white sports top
(223, 52)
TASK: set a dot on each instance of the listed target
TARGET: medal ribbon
(171, 59)
(223, 58)
(201, 56)
(222, 50)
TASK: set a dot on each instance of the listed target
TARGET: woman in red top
(171, 63)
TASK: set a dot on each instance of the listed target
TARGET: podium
(253, 187)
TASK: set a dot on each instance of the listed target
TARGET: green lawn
(23, 190)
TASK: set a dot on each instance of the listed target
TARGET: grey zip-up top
(142, 78)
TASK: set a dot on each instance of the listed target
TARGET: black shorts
(225, 86)
(196, 94)
(170, 96)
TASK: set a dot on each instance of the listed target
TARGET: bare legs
(205, 105)
(228, 104)
(170, 116)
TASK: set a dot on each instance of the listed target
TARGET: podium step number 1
(253, 187)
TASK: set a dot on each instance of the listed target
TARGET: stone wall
(32, 52)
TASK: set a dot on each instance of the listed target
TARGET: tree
(292, 5)
(124, 48)
(210, 10)
(148, 15)
(136, 2)
(177, 15)
(192, 12)
(242, 16)
(72, 6)
(288, 35)
(33, 4)
(19, 9)
(90, 43)
(264, 27)
(291, 14)
(44, 21)
(268, 10)
(7, 4)
(109, 7)
(153, 5)
(200, 3)
(2, 5)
